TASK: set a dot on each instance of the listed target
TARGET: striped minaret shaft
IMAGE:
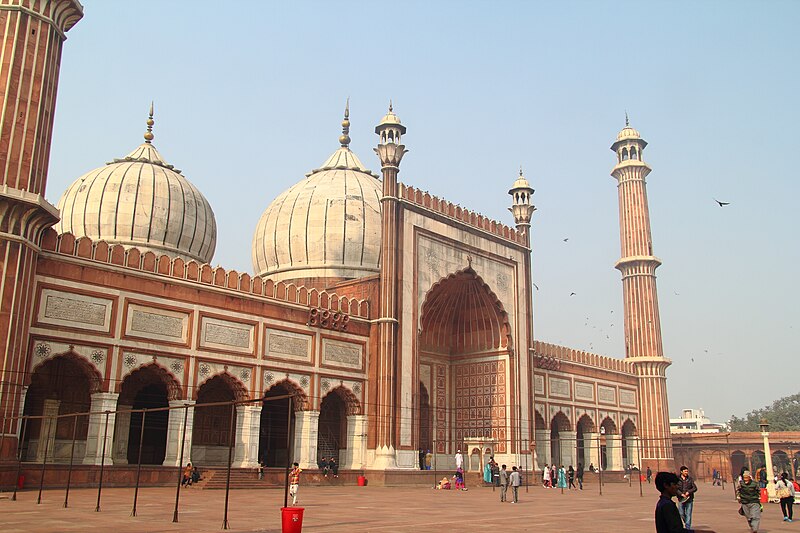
(390, 152)
(643, 346)
(33, 32)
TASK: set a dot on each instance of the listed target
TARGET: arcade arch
(61, 385)
(212, 423)
(277, 424)
(333, 428)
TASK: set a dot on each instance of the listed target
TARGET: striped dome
(141, 201)
(326, 226)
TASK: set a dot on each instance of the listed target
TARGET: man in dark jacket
(667, 518)
(749, 495)
(687, 488)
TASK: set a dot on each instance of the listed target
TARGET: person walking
(546, 476)
(503, 483)
(294, 482)
(571, 477)
(649, 474)
(687, 488)
(668, 520)
(784, 489)
(579, 475)
(553, 475)
(562, 477)
(459, 460)
(748, 494)
(515, 481)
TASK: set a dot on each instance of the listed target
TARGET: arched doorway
(332, 427)
(738, 462)
(583, 446)
(425, 420)
(464, 337)
(59, 386)
(757, 461)
(148, 387)
(610, 455)
(630, 448)
(211, 433)
(780, 462)
(559, 423)
(276, 436)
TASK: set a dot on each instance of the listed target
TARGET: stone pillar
(175, 430)
(47, 431)
(122, 430)
(568, 443)
(306, 431)
(591, 450)
(614, 452)
(355, 454)
(543, 447)
(632, 449)
(97, 434)
(248, 428)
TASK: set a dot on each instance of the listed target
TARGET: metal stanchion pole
(527, 474)
(44, 460)
(139, 461)
(180, 462)
(288, 451)
(639, 450)
(102, 464)
(3, 431)
(24, 422)
(71, 458)
(230, 458)
(600, 465)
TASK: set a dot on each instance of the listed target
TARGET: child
(460, 479)
(668, 520)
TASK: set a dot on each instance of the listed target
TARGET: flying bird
(535, 285)
(565, 240)
(722, 204)
(572, 294)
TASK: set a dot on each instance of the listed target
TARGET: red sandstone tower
(638, 265)
(33, 32)
(390, 152)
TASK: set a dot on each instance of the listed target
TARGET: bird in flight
(722, 204)
(535, 285)
(572, 294)
(565, 240)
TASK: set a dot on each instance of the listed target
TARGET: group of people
(328, 465)
(190, 475)
(561, 478)
(748, 494)
(425, 459)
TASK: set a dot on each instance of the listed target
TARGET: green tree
(782, 415)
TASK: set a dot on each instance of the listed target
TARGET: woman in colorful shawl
(562, 478)
(487, 473)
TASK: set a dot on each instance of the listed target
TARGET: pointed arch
(238, 388)
(609, 426)
(461, 314)
(146, 374)
(349, 399)
(87, 369)
(299, 397)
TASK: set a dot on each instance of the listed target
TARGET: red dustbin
(764, 496)
(292, 519)
(362, 481)
(21, 481)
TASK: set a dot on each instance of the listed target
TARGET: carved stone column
(248, 428)
(175, 430)
(122, 429)
(97, 434)
(306, 433)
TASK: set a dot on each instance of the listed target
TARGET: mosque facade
(378, 320)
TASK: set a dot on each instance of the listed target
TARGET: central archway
(277, 425)
(464, 338)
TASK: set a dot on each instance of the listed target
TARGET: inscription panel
(627, 397)
(538, 384)
(287, 345)
(341, 354)
(559, 387)
(61, 308)
(607, 394)
(158, 324)
(584, 391)
(225, 335)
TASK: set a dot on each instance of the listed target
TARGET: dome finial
(627, 122)
(344, 140)
(148, 135)
(520, 170)
(390, 105)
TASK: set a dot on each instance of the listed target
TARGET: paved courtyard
(366, 509)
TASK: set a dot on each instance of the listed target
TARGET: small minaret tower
(521, 206)
(638, 265)
(32, 40)
(390, 152)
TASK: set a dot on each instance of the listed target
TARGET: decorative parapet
(553, 353)
(451, 210)
(204, 274)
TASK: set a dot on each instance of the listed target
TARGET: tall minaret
(33, 34)
(390, 152)
(521, 206)
(638, 265)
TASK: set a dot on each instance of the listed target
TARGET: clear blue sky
(249, 96)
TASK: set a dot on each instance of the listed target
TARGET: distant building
(693, 421)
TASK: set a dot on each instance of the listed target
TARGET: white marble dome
(326, 226)
(628, 133)
(141, 201)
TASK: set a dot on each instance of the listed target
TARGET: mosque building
(381, 319)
